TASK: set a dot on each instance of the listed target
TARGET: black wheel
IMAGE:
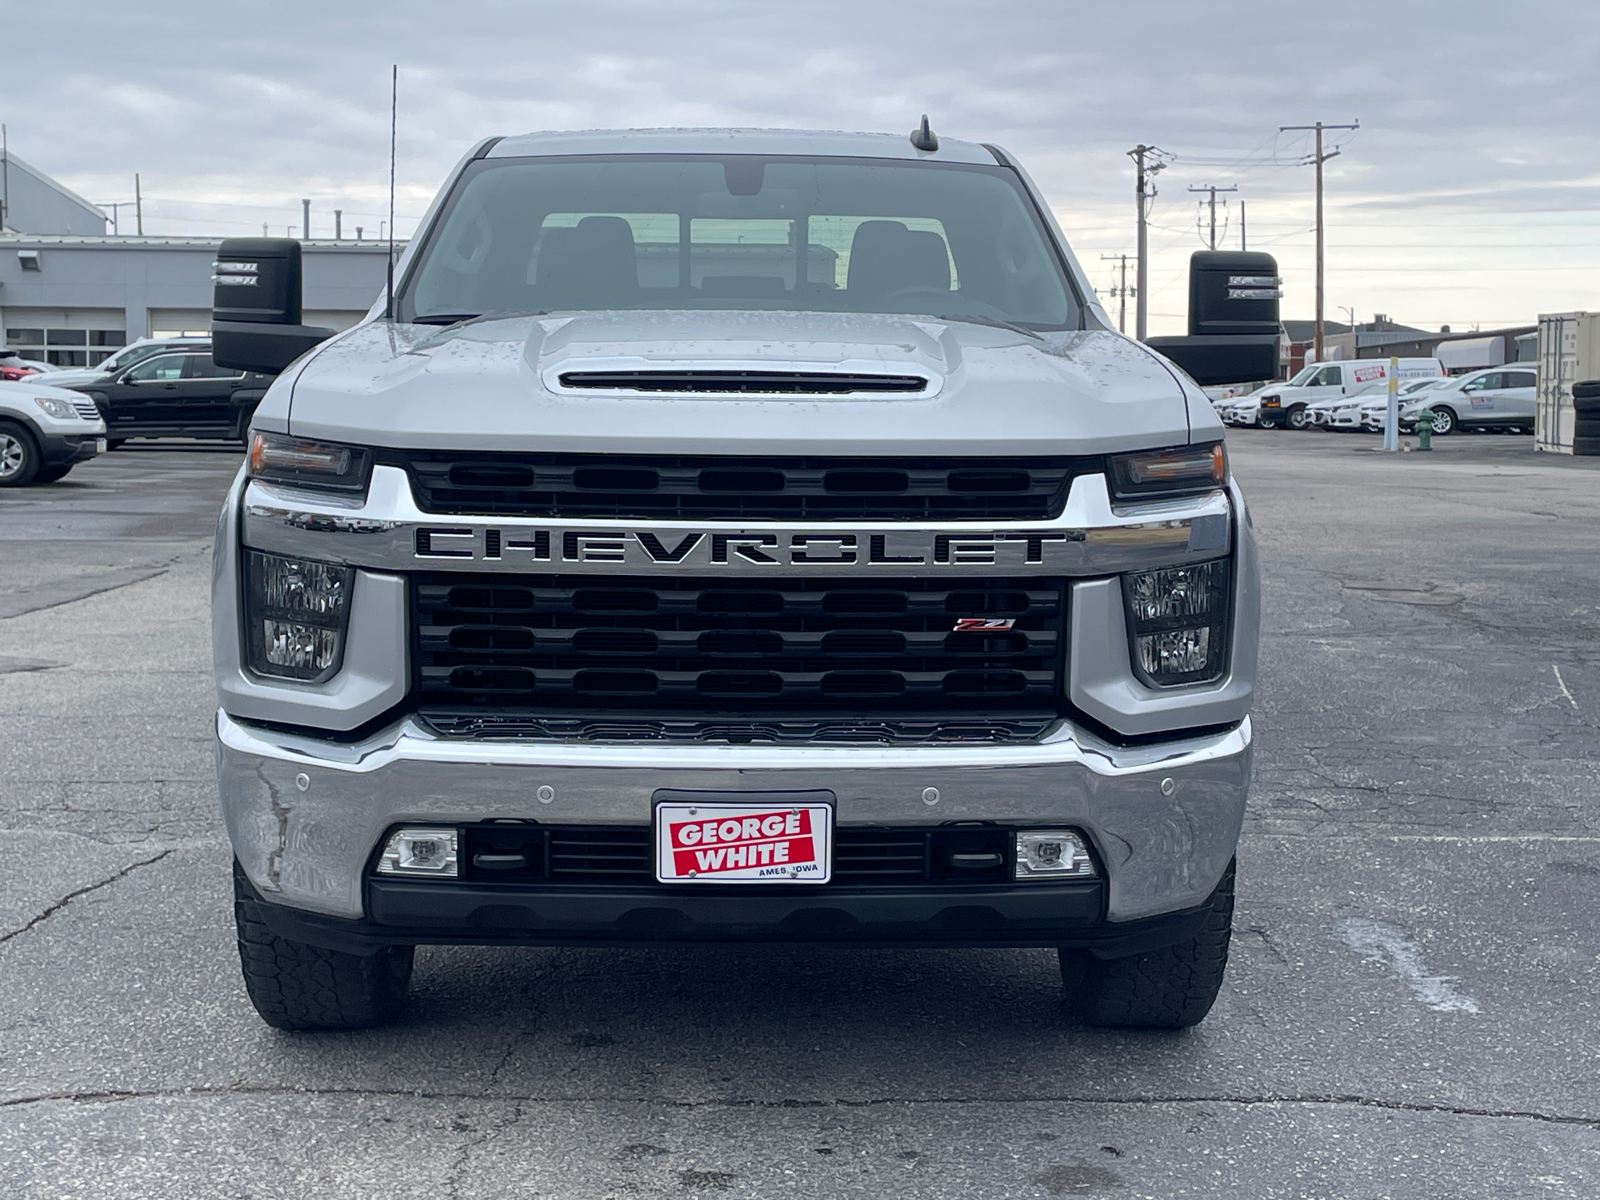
(1586, 445)
(1444, 420)
(241, 431)
(51, 474)
(1295, 418)
(297, 986)
(1170, 988)
(19, 456)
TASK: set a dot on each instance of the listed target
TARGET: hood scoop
(724, 381)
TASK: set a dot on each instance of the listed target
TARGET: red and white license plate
(743, 843)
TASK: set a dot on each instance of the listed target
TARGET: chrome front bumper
(305, 814)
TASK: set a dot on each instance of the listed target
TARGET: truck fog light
(1053, 854)
(1178, 620)
(296, 611)
(430, 852)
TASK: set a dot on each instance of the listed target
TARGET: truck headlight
(1178, 623)
(1160, 474)
(278, 458)
(296, 612)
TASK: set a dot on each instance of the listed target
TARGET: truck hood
(497, 385)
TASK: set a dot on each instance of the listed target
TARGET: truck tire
(1170, 988)
(1586, 445)
(1445, 420)
(1295, 418)
(297, 986)
(19, 456)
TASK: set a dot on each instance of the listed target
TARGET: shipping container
(1569, 351)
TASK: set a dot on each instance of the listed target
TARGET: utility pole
(1243, 245)
(1319, 158)
(338, 224)
(138, 205)
(1143, 192)
(1121, 290)
(1213, 189)
(358, 233)
(305, 220)
(5, 177)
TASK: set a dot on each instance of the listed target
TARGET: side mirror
(255, 313)
(1233, 319)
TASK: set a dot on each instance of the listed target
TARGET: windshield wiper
(994, 322)
(451, 320)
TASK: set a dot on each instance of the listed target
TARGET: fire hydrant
(1425, 429)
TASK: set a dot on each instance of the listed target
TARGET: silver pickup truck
(735, 535)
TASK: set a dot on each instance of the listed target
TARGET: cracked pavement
(1425, 768)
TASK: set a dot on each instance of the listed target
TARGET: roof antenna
(394, 108)
(924, 138)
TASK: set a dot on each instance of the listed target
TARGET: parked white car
(1244, 411)
(1375, 410)
(1491, 398)
(45, 432)
(1284, 405)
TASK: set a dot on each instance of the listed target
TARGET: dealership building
(71, 294)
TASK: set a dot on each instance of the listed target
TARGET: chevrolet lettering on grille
(741, 551)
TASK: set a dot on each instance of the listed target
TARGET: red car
(14, 367)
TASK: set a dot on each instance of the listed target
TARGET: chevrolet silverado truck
(735, 536)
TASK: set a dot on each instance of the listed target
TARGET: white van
(1283, 405)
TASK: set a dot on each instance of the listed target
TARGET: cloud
(232, 112)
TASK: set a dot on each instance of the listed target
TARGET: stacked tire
(1586, 400)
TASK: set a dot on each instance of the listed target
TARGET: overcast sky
(1471, 193)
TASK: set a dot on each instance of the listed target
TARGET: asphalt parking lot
(1410, 1009)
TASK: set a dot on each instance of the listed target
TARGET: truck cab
(735, 535)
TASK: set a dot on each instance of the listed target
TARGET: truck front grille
(706, 487)
(740, 649)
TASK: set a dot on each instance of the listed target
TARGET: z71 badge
(982, 624)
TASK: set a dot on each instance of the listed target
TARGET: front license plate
(744, 843)
(100, 445)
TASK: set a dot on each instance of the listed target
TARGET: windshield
(1303, 374)
(744, 233)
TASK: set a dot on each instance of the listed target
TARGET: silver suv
(735, 536)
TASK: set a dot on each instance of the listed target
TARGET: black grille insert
(553, 644)
(692, 487)
(598, 855)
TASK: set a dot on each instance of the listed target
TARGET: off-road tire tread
(299, 987)
(1170, 988)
